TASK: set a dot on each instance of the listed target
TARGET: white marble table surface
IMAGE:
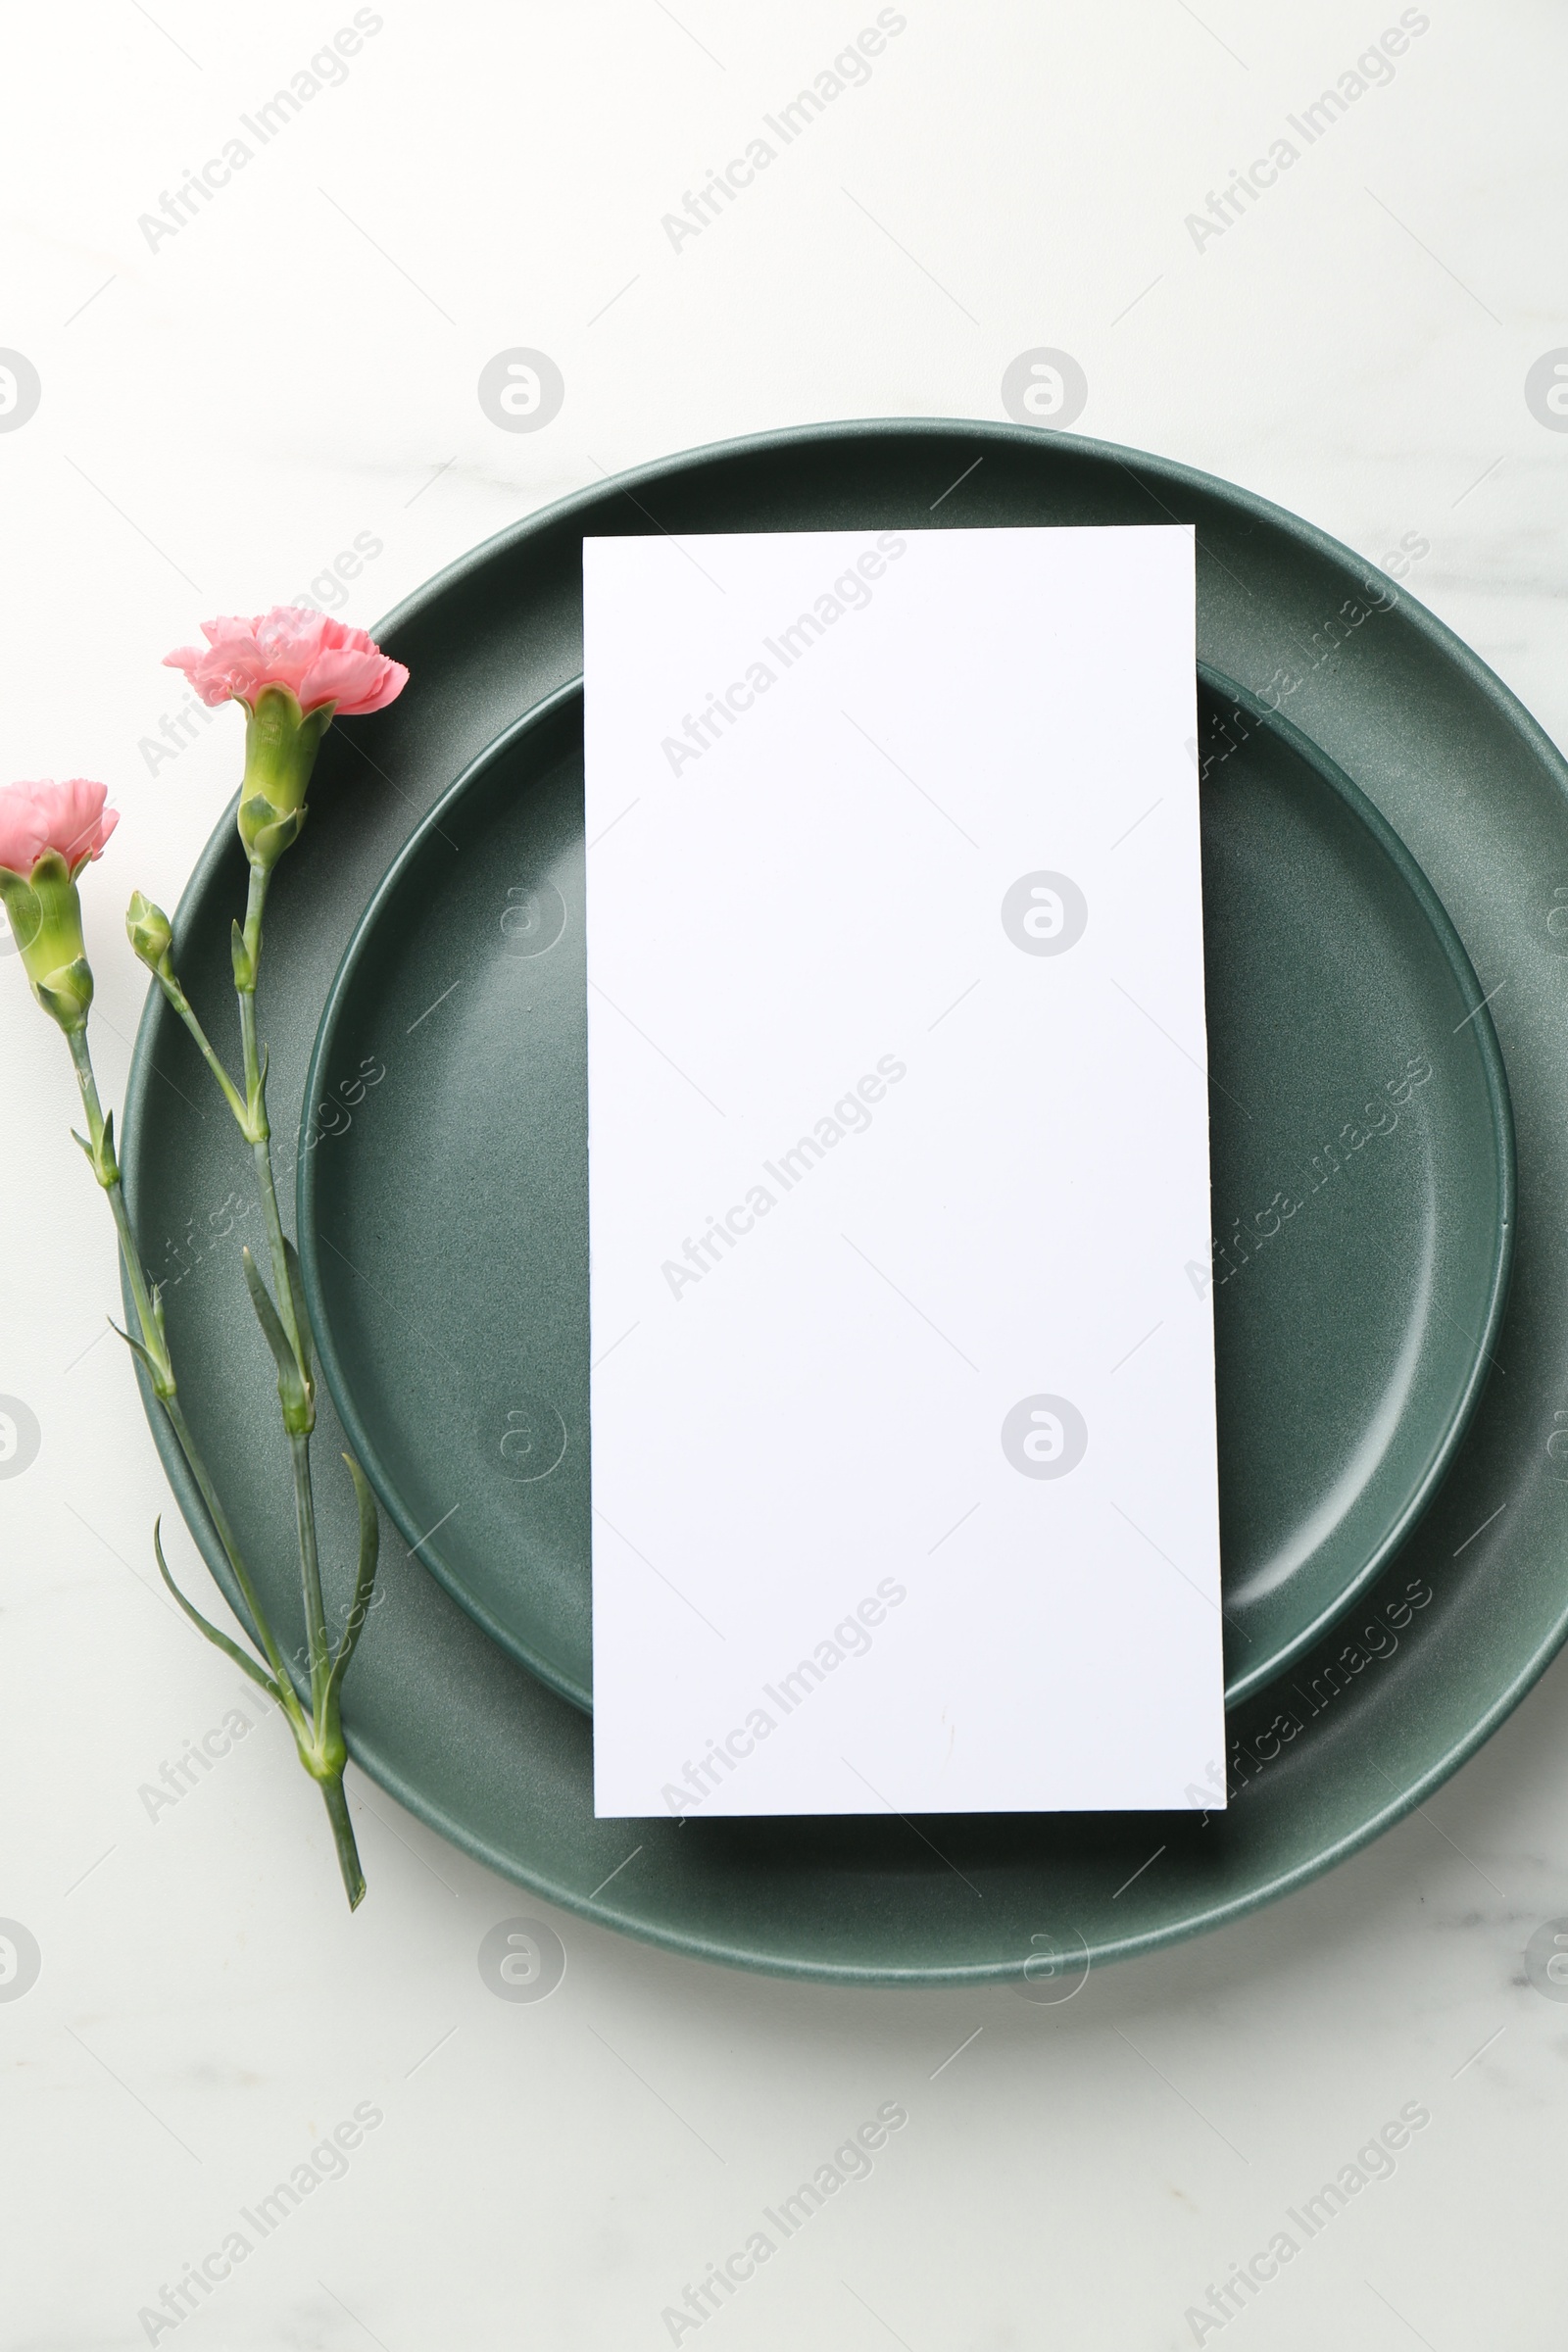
(225, 408)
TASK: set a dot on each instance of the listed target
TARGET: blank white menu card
(902, 1405)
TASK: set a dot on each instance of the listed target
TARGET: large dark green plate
(1342, 1008)
(1439, 1647)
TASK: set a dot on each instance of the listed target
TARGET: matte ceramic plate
(454, 1201)
(1440, 1645)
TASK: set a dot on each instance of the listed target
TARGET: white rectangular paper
(904, 1452)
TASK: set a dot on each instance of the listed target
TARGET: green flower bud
(150, 933)
(282, 742)
(45, 914)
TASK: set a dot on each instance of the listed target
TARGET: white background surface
(828, 1402)
(217, 421)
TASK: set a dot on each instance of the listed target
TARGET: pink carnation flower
(70, 817)
(317, 659)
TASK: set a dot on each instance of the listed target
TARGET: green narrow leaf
(136, 1349)
(231, 1649)
(162, 1376)
(267, 1316)
(296, 1284)
(364, 1579)
(292, 1393)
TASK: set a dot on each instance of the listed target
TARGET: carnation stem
(315, 1610)
(318, 1732)
(283, 1279)
(348, 1852)
(101, 1153)
(180, 1003)
(259, 1130)
(154, 1354)
(327, 1756)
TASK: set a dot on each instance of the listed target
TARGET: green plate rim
(1500, 1102)
(367, 1453)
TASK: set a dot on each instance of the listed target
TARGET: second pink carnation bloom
(69, 819)
(317, 659)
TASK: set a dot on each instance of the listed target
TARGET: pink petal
(320, 660)
(393, 678)
(68, 817)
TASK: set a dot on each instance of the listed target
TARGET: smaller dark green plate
(1361, 1148)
